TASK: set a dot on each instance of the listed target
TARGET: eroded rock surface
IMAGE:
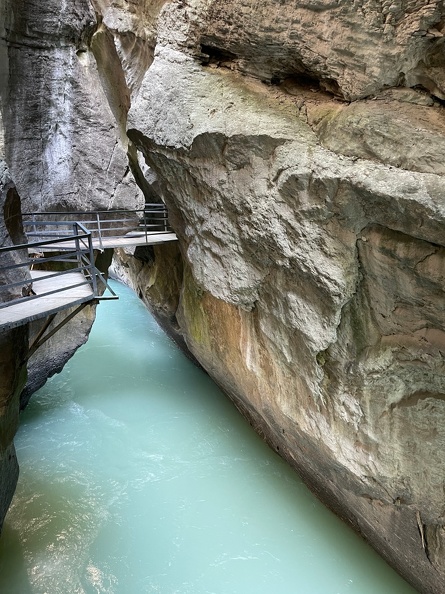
(352, 48)
(312, 231)
(65, 128)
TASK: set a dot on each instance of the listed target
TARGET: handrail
(43, 242)
(156, 205)
(69, 237)
(81, 258)
(113, 223)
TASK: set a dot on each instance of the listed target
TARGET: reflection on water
(138, 476)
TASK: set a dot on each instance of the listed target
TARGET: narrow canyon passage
(138, 476)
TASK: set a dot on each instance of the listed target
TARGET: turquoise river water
(138, 476)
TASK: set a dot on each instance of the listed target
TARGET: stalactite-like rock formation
(299, 147)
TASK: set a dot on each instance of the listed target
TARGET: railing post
(145, 224)
(92, 266)
(99, 230)
(77, 244)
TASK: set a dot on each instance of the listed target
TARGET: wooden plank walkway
(42, 306)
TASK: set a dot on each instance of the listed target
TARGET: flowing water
(138, 476)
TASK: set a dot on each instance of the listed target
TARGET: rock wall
(64, 108)
(299, 149)
(13, 344)
(66, 73)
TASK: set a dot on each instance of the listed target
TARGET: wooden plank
(42, 305)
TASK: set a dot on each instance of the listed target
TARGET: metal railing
(108, 224)
(76, 255)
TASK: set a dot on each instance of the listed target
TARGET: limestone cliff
(63, 142)
(60, 117)
(299, 147)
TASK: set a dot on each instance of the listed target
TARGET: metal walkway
(39, 282)
(52, 294)
(110, 228)
(56, 271)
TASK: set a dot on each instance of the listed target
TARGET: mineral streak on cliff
(300, 149)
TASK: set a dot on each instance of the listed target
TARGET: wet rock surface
(59, 114)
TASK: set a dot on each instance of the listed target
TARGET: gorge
(298, 147)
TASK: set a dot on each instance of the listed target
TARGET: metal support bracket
(41, 337)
